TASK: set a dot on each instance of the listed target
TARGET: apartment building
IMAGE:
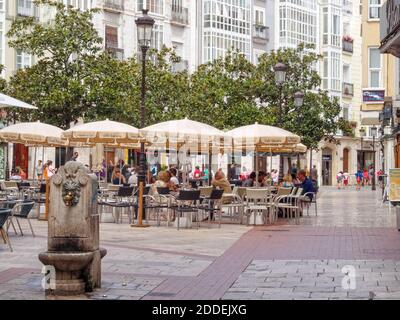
(378, 81)
(341, 72)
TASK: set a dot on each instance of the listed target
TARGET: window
(374, 66)
(154, 6)
(374, 9)
(335, 71)
(259, 16)
(25, 8)
(335, 41)
(111, 37)
(346, 112)
(24, 60)
(157, 39)
(1, 4)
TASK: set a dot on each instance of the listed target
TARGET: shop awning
(370, 122)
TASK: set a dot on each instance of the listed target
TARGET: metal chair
(289, 204)
(186, 203)
(124, 200)
(259, 201)
(211, 205)
(308, 202)
(235, 205)
(4, 216)
(21, 210)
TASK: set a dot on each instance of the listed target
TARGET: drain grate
(275, 230)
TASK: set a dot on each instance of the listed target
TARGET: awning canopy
(370, 122)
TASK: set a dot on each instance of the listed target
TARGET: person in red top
(366, 177)
(197, 173)
(21, 173)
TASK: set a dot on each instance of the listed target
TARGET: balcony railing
(348, 89)
(180, 66)
(112, 48)
(347, 46)
(261, 32)
(113, 5)
(26, 12)
(179, 15)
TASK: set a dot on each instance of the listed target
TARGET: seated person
(287, 181)
(163, 179)
(262, 176)
(306, 184)
(221, 182)
(15, 175)
(174, 182)
(117, 178)
(249, 182)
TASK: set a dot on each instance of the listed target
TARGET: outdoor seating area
(175, 197)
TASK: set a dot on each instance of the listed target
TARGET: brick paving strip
(13, 273)
(289, 243)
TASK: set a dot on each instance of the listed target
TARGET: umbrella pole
(256, 167)
(34, 166)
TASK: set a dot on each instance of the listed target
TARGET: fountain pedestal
(73, 231)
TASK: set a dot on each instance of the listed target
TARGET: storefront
(390, 44)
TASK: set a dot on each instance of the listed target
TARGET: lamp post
(374, 131)
(280, 77)
(144, 26)
(382, 131)
(362, 135)
(298, 102)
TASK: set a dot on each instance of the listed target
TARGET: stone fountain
(73, 231)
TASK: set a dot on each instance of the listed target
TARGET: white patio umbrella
(106, 132)
(33, 134)
(262, 138)
(175, 133)
(7, 101)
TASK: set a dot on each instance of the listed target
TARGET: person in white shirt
(174, 180)
(133, 179)
(50, 169)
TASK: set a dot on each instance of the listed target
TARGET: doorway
(345, 160)
(21, 156)
(326, 167)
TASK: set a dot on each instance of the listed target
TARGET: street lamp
(280, 77)
(374, 131)
(280, 73)
(298, 99)
(362, 135)
(144, 26)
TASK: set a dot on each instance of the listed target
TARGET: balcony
(179, 15)
(26, 12)
(113, 5)
(112, 48)
(260, 33)
(348, 89)
(347, 45)
(180, 66)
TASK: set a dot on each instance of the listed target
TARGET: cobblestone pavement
(284, 261)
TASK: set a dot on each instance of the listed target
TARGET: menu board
(394, 185)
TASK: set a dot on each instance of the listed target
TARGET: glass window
(24, 60)
(374, 67)
(374, 9)
(154, 6)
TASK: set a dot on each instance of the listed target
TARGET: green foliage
(74, 78)
(66, 47)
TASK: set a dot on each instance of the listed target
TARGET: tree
(318, 117)
(222, 92)
(66, 47)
